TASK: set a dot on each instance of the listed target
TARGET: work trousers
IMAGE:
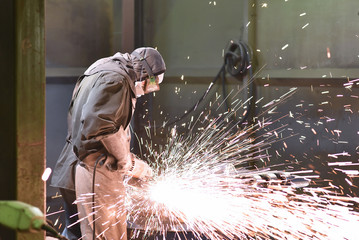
(107, 212)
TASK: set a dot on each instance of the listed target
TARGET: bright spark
(306, 25)
(285, 46)
(202, 184)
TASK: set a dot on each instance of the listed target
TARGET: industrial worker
(96, 155)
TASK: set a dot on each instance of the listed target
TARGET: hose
(237, 62)
(194, 107)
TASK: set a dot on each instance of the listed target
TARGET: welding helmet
(151, 69)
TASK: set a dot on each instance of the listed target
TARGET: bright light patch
(328, 53)
(306, 25)
(285, 46)
(45, 176)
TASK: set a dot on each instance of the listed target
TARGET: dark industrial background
(309, 44)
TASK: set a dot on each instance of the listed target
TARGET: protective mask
(149, 85)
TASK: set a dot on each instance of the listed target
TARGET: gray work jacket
(101, 103)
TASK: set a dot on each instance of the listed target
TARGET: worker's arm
(108, 107)
(118, 146)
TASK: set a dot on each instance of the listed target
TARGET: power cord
(93, 195)
(237, 62)
(194, 107)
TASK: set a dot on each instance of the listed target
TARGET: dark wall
(78, 32)
(58, 96)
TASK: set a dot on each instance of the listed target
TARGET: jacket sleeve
(108, 107)
(106, 114)
(118, 145)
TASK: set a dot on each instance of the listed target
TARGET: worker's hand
(140, 169)
(113, 164)
(110, 163)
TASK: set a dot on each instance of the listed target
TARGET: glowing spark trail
(203, 184)
(215, 200)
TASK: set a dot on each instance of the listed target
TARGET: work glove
(140, 169)
(112, 164)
